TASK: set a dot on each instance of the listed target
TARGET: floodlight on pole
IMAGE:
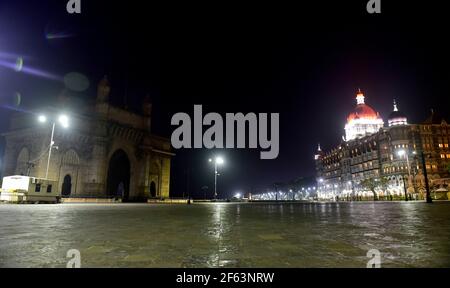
(217, 161)
(64, 121)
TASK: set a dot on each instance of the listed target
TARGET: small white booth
(25, 189)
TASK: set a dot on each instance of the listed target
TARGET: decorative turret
(363, 120)
(147, 110)
(103, 90)
(319, 153)
(359, 97)
(396, 117)
(434, 118)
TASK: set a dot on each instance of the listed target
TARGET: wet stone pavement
(407, 234)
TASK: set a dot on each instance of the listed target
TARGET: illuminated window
(448, 156)
(442, 156)
(441, 145)
(446, 145)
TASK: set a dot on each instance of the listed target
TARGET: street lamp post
(427, 187)
(404, 188)
(217, 161)
(64, 121)
(50, 150)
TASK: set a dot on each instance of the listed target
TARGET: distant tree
(370, 184)
(373, 183)
(278, 186)
(383, 184)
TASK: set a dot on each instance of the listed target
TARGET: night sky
(305, 62)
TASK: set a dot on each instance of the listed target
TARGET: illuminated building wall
(102, 144)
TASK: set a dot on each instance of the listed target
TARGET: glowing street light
(42, 118)
(217, 161)
(64, 121)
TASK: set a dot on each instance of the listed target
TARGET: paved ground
(226, 235)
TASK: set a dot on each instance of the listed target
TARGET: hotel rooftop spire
(359, 97)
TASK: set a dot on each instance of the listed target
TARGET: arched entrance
(153, 189)
(118, 182)
(154, 179)
(66, 188)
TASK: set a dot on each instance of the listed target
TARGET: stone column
(165, 177)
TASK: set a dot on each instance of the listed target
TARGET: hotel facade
(386, 159)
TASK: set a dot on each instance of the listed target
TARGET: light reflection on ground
(226, 235)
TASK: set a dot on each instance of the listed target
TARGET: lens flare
(76, 81)
(19, 64)
(51, 36)
(10, 56)
(15, 108)
(29, 70)
(17, 98)
(52, 31)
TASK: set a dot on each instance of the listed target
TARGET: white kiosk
(25, 189)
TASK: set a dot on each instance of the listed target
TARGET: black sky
(305, 62)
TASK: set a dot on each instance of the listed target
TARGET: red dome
(362, 111)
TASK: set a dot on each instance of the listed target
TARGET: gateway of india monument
(103, 152)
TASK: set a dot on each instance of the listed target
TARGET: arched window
(71, 158)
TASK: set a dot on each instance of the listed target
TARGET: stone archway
(66, 188)
(153, 189)
(118, 181)
(70, 165)
(154, 178)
